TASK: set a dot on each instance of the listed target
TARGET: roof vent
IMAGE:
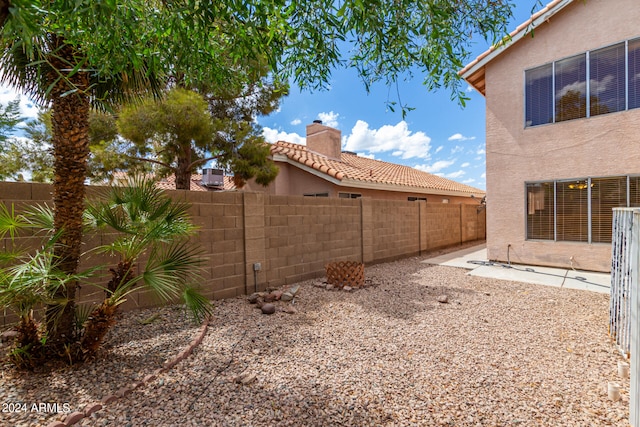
(212, 177)
(318, 121)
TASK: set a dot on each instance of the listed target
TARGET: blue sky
(438, 137)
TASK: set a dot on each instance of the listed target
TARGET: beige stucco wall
(605, 145)
(293, 181)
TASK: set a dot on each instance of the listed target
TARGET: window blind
(572, 205)
(540, 211)
(607, 80)
(634, 73)
(606, 194)
(571, 88)
(539, 95)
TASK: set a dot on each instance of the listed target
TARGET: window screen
(634, 73)
(571, 88)
(606, 194)
(540, 211)
(607, 80)
(539, 95)
(572, 210)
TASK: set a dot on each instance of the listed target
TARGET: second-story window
(597, 82)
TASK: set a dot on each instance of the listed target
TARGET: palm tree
(153, 232)
(37, 60)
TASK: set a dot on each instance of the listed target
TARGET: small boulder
(289, 310)
(269, 297)
(277, 294)
(330, 287)
(294, 290)
(443, 299)
(268, 308)
(286, 296)
(253, 298)
(347, 288)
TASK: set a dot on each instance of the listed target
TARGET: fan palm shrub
(152, 249)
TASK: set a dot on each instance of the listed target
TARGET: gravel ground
(498, 353)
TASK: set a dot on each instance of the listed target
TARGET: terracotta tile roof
(169, 183)
(359, 169)
(476, 77)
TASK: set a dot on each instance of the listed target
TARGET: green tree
(67, 54)
(30, 154)
(179, 135)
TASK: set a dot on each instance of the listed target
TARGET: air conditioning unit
(212, 177)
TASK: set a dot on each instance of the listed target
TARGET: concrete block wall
(304, 234)
(291, 238)
(396, 226)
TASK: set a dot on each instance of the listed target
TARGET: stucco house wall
(605, 145)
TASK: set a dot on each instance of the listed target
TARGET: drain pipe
(508, 255)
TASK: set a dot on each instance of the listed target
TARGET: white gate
(625, 299)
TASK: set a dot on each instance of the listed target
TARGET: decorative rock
(443, 299)
(287, 296)
(253, 298)
(268, 308)
(122, 392)
(269, 298)
(91, 408)
(57, 424)
(289, 310)
(73, 418)
(347, 288)
(294, 290)
(277, 294)
(329, 287)
(109, 398)
(245, 378)
(9, 335)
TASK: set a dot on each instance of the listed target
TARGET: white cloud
(329, 119)
(439, 149)
(436, 167)
(469, 89)
(398, 139)
(274, 135)
(461, 137)
(295, 122)
(484, 175)
(457, 174)
(465, 164)
(469, 181)
(457, 149)
(480, 151)
(367, 156)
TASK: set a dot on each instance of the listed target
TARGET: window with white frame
(596, 82)
(578, 210)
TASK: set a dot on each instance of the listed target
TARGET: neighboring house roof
(473, 73)
(352, 170)
(169, 183)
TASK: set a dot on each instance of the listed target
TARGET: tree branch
(157, 162)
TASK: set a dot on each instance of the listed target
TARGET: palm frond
(199, 306)
(10, 222)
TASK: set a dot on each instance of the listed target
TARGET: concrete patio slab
(475, 260)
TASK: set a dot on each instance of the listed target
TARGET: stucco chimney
(324, 139)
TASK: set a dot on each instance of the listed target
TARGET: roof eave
(346, 182)
(474, 74)
(354, 183)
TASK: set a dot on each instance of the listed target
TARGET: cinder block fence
(255, 240)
